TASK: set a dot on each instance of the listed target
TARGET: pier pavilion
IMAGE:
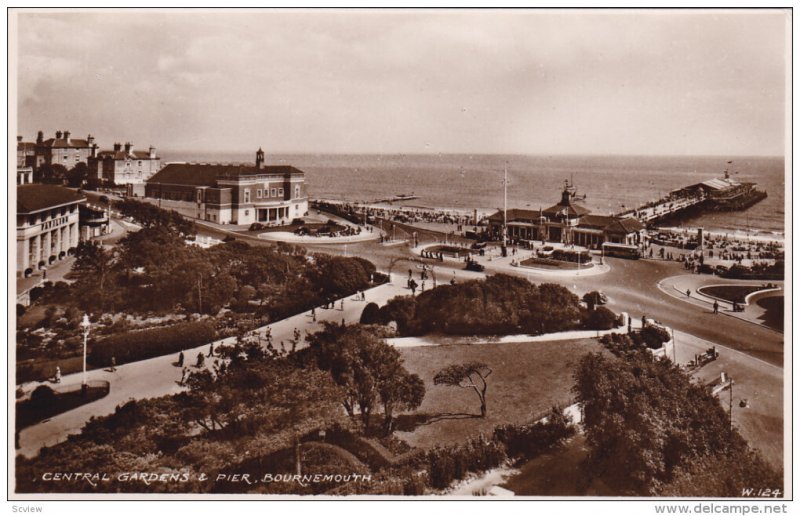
(566, 223)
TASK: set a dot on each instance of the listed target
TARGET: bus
(621, 251)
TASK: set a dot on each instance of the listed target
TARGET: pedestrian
(363, 296)
(313, 314)
(211, 350)
(180, 359)
(201, 360)
(58, 374)
(341, 305)
(688, 293)
(183, 375)
(113, 364)
(716, 307)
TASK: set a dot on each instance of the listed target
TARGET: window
(246, 213)
(65, 158)
(246, 196)
(280, 191)
(259, 192)
(297, 191)
(140, 163)
(273, 192)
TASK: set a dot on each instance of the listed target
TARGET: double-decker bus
(621, 251)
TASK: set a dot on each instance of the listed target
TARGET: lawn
(730, 293)
(527, 379)
(547, 263)
(773, 317)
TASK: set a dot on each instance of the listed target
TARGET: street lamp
(85, 324)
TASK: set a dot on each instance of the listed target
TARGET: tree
(77, 175)
(96, 270)
(48, 173)
(368, 369)
(471, 375)
(645, 421)
(400, 390)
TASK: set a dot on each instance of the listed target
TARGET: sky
(405, 81)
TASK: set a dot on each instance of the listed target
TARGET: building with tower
(231, 193)
(568, 223)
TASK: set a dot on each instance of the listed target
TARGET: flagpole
(505, 205)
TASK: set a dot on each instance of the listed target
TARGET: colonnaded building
(51, 220)
(231, 193)
(567, 223)
(47, 224)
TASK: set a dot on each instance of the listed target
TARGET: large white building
(48, 218)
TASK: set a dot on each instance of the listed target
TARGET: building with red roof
(231, 193)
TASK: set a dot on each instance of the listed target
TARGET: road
(631, 286)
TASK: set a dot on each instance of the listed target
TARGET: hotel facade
(230, 193)
(126, 166)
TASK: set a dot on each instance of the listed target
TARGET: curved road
(631, 286)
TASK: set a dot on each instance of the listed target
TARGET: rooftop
(207, 174)
(37, 197)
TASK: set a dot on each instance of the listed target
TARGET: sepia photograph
(400, 254)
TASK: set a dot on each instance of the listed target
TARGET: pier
(719, 194)
(653, 212)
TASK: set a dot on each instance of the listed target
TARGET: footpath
(160, 376)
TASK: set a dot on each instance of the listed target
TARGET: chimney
(19, 139)
(127, 147)
(58, 135)
(90, 140)
(117, 147)
(152, 152)
(94, 150)
(39, 137)
(66, 136)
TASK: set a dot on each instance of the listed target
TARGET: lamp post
(85, 324)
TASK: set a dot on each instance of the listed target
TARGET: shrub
(28, 272)
(654, 337)
(298, 222)
(153, 342)
(371, 314)
(20, 310)
(601, 318)
(256, 226)
(42, 396)
(528, 441)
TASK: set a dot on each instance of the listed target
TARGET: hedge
(154, 342)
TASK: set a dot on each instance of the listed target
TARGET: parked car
(474, 266)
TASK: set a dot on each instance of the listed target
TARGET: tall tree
(471, 375)
(369, 370)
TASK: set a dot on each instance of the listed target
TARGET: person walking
(341, 305)
(211, 350)
(688, 293)
(113, 364)
(180, 359)
(184, 371)
(716, 307)
(58, 374)
(313, 314)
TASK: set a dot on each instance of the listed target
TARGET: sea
(611, 184)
